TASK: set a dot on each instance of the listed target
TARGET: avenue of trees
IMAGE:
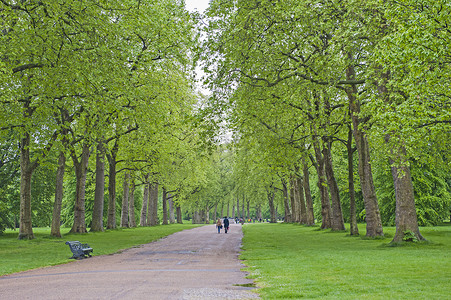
(334, 112)
(353, 93)
(97, 101)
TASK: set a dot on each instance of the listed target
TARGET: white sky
(196, 5)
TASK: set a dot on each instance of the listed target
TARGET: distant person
(226, 224)
(219, 225)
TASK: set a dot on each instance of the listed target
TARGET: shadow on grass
(419, 244)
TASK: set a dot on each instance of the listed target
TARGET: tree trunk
(111, 219)
(259, 212)
(406, 215)
(207, 214)
(228, 209)
(99, 194)
(272, 210)
(125, 198)
(301, 202)
(337, 222)
(308, 194)
(354, 230)
(178, 209)
(243, 215)
(294, 201)
(56, 219)
(238, 215)
(165, 207)
(152, 215)
(26, 172)
(286, 203)
(197, 217)
(248, 209)
(322, 186)
(81, 168)
(171, 209)
(373, 218)
(150, 205)
(131, 204)
(143, 221)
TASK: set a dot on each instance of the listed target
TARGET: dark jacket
(226, 222)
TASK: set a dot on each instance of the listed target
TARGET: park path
(192, 264)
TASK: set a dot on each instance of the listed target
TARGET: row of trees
(309, 83)
(101, 88)
(332, 105)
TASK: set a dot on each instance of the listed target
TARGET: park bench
(79, 250)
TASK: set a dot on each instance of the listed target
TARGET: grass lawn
(19, 255)
(291, 261)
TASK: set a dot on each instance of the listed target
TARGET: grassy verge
(44, 250)
(291, 262)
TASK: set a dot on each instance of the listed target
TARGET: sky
(199, 5)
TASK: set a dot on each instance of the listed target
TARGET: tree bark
(197, 217)
(178, 209)
(143, 221)
(271, 194)
(248, 209)
(131, 204)
(373, 218)
(153, 205)
(337, 222)
(308, 194)
(286, 203)
(125, 198)
(81, 168)
(294, 201)
(56, 218)
(207, 214)
(354, 230)
(406, 214)
(26, 171)
(165, 207)
(171, 209)
(99, 194)
(238, 215)
(322, 186)
(259, 212)
(111, 219)
(299, 189)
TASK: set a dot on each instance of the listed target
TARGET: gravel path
(193, 264)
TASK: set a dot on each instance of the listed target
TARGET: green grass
(291, 261)
(20, 255)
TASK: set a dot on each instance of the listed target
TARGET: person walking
(226, 224)
(219, 225)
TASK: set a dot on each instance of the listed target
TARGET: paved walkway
(193, 264)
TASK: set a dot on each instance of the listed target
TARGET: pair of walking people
(226, 225)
